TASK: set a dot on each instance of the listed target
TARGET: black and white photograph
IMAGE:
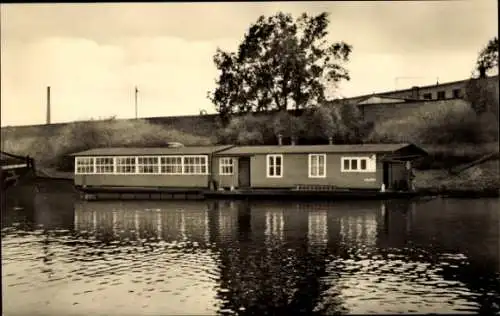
(250, 158)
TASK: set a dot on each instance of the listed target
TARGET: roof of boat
(151, 151)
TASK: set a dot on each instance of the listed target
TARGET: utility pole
(48, 105)
(136, 92)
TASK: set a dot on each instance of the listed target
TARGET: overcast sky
(92, 55)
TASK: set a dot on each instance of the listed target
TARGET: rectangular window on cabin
(274, 166)
(358, 164)
(441, 95)
(317, 165)
(84, 165)
(226, 166)
(125, 165)
(362, 164)
(104, 165)
(147, 164)
(354, 164)
(171, 165)
(195, 165)
(457, 93)
(428, 96)
(346, 165)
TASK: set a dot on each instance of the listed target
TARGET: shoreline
(429, 183)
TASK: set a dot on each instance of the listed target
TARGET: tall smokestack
(48, 105)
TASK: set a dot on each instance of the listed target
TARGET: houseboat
(132, 173)
(318, 171)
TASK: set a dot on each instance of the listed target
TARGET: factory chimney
(48, 105)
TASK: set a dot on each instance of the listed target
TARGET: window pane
(278, 160)
(271, 171)
(346, 164)
(363, 164)
(278, 170)
(354, 164)
(314, 160)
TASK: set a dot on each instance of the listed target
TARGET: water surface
(61, 256)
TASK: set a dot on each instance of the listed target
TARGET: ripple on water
(105, 271)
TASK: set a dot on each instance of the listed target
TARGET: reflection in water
(274, 224)
(175, 222)
(193, 257)
(359, 227)
(317, 230)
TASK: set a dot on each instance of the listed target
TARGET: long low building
(364, 166)
(179, 167)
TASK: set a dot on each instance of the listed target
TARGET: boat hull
(158, 193)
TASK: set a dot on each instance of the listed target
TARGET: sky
(93, 55)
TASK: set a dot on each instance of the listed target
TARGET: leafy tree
(281, 63)
(488, 57)
(289, 126)
(249, 129)
(483, 94)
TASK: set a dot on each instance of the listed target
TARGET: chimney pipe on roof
(293, 140)
(330, 140)
(280, 139)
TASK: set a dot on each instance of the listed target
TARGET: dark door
(244, 172)
(385, 172)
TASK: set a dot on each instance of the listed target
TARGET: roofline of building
(224, 148)
(381, 94)
(216, 149)
(407, 101)
(285, 147)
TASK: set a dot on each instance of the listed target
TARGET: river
(62, 256)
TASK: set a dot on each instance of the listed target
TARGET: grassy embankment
(451, 137)
(484, 176)
(451, 132)
(51, 151)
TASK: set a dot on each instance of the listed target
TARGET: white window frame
(268, 165)
(164, 165)
(203, 163)
(370, 164)
(96, 165)
(88, 168)
(199, 165)
(323, 166)
(226, 166)
(131, 164)
(142, 165)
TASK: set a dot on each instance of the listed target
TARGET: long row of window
(440, 95)
(198, 165)
(317, 165)
(174, 165)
